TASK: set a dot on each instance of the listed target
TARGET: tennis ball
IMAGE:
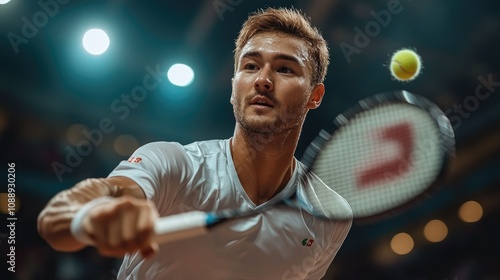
(405, 65)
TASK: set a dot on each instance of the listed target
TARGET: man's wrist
(76, 226)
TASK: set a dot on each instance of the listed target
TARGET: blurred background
(70, 111)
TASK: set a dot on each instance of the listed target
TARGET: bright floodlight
(180, 75)
(4, 2)
(95, 41)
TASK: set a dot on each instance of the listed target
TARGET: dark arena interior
(67, 114)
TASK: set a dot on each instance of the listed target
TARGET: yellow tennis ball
(405, 65)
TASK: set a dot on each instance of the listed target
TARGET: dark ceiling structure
(54, 96)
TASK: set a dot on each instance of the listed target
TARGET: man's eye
(285, 70)
(250, 66)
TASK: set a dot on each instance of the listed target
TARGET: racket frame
(442, 123)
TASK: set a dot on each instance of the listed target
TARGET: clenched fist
(122, 225)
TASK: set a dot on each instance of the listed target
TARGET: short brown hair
(292, 22)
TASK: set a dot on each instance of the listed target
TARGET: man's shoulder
(206, 147)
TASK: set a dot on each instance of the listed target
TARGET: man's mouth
(261, 101)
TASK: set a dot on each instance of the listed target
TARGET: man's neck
(264, 163)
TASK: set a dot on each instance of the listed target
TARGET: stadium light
(95, 41)
(180, 75)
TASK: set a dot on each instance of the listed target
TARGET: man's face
(272, 84)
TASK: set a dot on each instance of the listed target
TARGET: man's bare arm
(55, 219)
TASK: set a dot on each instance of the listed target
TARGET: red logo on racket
(402, 135)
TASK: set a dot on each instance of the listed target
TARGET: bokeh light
(125, 145)
(470, 212)
(4, 203)
(180, 75)
(402, 243)
(435, 231)
(74, 134)
(95, 41)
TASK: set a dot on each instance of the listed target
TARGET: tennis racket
(381, 155)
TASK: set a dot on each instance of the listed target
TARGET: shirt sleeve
(324, 260)
(161, 169)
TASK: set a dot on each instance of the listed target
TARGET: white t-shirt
(280, 243)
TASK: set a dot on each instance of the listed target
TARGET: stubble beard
(266, 125)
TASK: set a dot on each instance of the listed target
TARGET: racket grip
(180, 226)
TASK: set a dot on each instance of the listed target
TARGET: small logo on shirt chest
(307, 242)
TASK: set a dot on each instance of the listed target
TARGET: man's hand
(121, 226)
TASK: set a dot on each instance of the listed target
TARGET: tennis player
(280, 64)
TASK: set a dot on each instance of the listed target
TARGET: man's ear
(231, 100)
(316, 96)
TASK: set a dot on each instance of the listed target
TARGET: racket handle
(180, 226)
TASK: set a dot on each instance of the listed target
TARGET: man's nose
(264, 81)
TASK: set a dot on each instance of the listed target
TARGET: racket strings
(383, 158)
